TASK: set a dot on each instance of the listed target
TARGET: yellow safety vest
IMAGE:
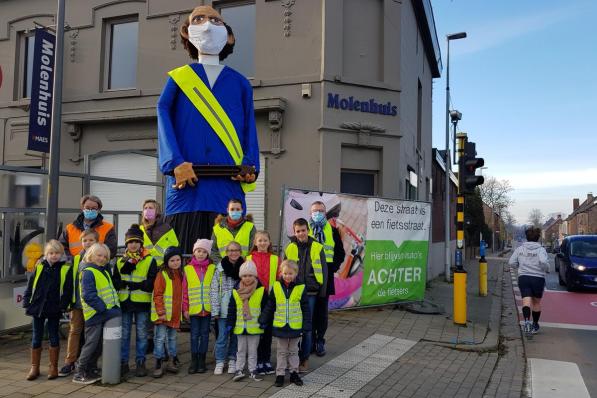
(199, 291)
(291, 252)
(168, 294)
(76, 261)
(105, 291)
(206, 103)
(273, 269)
(243, 237)
(328, 244)
(288, 310)
(157, 250)
(252, 325)
(64, 268)
(139, 274)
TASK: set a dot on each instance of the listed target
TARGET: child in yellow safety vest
(88, 238)
(262, 254)
(48, 293)
(196, 305)
(100, 303)
(134, 276)
(248, 299)
(288, 310)
(166, 310)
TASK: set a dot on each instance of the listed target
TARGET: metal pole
(54, 169)
(447, 162)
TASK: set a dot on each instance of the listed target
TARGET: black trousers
(264, 350)
(191, 226)
(320, 319)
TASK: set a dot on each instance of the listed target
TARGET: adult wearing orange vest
(89, 218)
(205, 117)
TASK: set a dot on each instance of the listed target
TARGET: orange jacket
(158, 297)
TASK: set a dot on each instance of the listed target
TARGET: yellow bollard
(460, 297)
(482, 277)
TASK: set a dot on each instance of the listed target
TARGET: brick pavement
(442, 361)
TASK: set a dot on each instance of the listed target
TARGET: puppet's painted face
(207, 31)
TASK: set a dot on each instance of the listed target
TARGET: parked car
(576, 262)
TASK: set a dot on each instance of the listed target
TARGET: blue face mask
(90, 214)
(235, 215)
(318, 216)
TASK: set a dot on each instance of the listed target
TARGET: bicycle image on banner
(386, 243)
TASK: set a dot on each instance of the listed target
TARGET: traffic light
(467, 166)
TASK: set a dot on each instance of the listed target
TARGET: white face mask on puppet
(208, 38)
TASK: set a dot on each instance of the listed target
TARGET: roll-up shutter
(256, 199)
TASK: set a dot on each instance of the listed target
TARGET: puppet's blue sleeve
(169, 153)
(251, 149)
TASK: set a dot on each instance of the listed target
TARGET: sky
(525, 81)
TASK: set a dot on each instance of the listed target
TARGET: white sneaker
(232, 367)
(219, 368)
(254, 376)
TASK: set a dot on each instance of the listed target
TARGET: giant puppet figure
(205, 117)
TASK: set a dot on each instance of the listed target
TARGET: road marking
(346, 374)
(567, 326)
(555, 379)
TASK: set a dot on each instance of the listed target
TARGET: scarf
(134, 257)
(201, 265)
(317, 228)
(233, 224)
(245, 291)
(231, 270)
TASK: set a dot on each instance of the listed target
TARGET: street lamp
(453, 36)
(455, 117)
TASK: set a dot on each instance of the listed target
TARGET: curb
(491, 340)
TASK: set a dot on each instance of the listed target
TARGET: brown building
(583, 219)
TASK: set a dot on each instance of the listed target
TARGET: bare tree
(496, 194)
(536, 218)
(510, 222)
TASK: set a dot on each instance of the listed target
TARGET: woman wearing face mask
(89, 218)
(233, 227)
(189, 132)
(157, 234)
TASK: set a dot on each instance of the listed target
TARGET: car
(576, 262)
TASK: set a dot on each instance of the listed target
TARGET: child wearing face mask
(166, 310)
(196, 304)
(232, 227)
(48, 294)
(157, 234)
(267, 272)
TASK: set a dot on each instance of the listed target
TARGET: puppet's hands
(184, 175)
(248, 178)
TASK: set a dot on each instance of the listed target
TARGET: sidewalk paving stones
(373, 352)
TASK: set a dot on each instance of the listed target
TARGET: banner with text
(42, 88)
(386, 243)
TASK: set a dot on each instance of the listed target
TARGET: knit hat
(134, 233)
(171, 252)
(204, 244)
(248, 268)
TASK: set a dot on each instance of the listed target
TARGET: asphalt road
(568, 329)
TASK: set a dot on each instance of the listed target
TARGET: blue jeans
(141, 318)
(199, 334)
(226, 344)
(307, 340)
(164, 334)
(38, 331)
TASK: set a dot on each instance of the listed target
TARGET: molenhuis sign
(356, 105)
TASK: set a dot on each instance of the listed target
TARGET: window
(411, 185)
(121, 54)
(358, 182)
(241, 18)
(27, 49)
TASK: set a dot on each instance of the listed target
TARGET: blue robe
(185, 136)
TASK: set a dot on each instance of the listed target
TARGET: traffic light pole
(460, 275)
